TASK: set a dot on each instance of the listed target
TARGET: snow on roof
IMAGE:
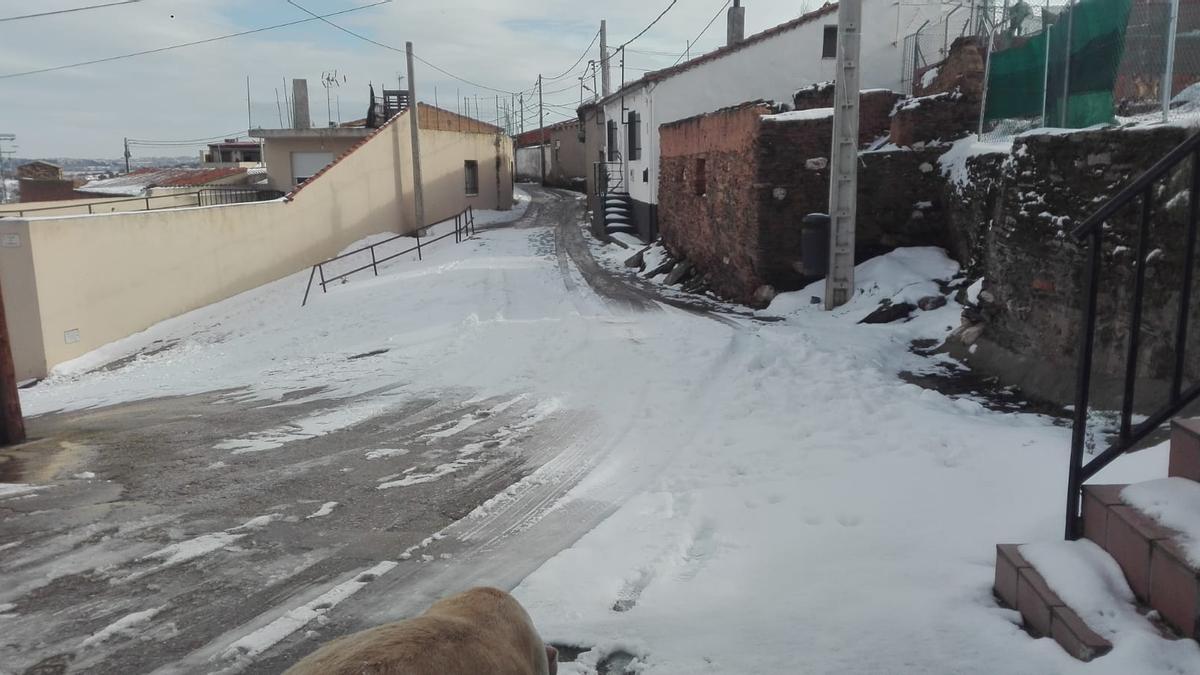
(797, 115)
(135, 183)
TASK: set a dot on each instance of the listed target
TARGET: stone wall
(1028, 319)
(712, 220)
(962, 70)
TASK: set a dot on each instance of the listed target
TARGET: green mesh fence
(1069, 79)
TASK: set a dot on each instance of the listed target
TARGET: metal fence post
(374, 265)
(321, 269)
(419, 245)
(1046, 77)
(987, 76)
(1168, 83)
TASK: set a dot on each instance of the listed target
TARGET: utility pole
(521, 106)
(1168, 83)
(12, 424)
(414, 125)
(605, 82)
(127, 155)
(4, 164)
(843, 165)
(542, 126)
(249, 116)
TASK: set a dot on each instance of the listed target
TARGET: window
(471, 168)
(305, 165)
(700, 178)
(829, 47)
(612, 140)
(635, 136)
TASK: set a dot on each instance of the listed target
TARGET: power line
(706, 27)
(402, 51)
(186, 44)
(652, 23)
(579, 61)
(67, 11)
(232, 134)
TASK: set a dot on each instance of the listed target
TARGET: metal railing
(1140, 192)
(610, 177)
(464, 228)
(203, 197)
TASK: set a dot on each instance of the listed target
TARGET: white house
(771, 65)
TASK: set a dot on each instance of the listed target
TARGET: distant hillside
(84, 167)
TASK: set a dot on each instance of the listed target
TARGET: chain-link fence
(1088, 62)
(930, 45)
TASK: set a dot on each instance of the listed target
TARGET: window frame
(634, 135)
(471, 176)
(829, 42)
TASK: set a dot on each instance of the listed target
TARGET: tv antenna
(331, 80)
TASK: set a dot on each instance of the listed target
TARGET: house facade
(563, 151)
(769, 66)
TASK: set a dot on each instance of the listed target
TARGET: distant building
(43, 182)
(153, 182)
(232, 152)
(562, 146)
(770, 65)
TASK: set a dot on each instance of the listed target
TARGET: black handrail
(464, 228)
(1092, 231)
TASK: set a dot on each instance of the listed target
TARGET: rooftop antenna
(330, 80)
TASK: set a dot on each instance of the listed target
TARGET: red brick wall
(47, 190)
(962, 70)
(717, 231)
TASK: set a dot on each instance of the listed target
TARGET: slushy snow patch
(124, 627)
(326, 509)
(954, 161)
(800, 115)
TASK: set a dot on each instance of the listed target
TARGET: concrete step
(616, 228)
(1185, 449)
(1153, 556)
(1020, 586)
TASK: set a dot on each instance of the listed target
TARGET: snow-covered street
(680, 490)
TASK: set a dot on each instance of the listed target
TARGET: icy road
(669, 485)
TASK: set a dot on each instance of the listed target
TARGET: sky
(200, 91)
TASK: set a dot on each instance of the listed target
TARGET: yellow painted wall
(114, 205)
(109, 276)
(278, 156)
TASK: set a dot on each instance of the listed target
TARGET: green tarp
(1018, 85)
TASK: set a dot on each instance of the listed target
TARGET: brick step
(1020, 586)
(1185, 449)
(1152, 556)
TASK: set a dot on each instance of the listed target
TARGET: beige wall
(109, 276)
(19, 287)
(278, 156)
(443, 155)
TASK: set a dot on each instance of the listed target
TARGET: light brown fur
(483, 630)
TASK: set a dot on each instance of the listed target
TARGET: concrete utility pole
(605, 82)
(843, 165)
(542, 126)
(415, 126)
(12, 424)
(1168, 83)
(127, 155)
(521, 107)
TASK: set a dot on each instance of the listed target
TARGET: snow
(326, 509)
(126, 626)
(293, 620)
(929, 76)
(1090, 582)
(954, 161)
(385, 453)
(974, 290)
(17, 489)
(776, 498)
(904, 275)
(800, 115)
(1173, 502)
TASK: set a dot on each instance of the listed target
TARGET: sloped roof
(658, 75)
(135, 183)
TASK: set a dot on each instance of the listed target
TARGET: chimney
(300, 116)
(737, 23)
